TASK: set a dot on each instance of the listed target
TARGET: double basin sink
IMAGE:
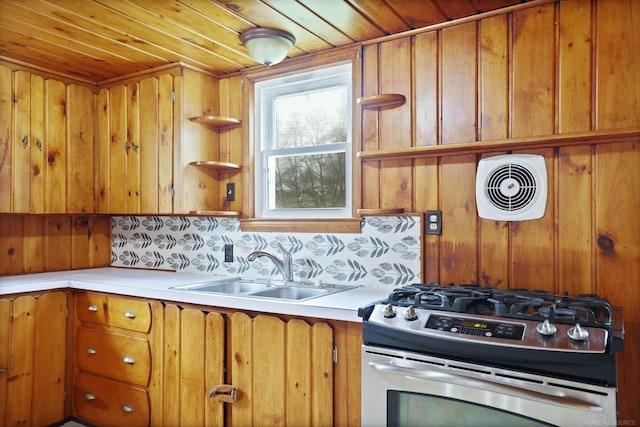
(260, 288)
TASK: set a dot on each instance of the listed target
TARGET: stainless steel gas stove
(519, 350)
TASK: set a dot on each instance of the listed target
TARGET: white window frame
(265, 91)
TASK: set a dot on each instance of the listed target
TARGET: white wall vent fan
(511, 187)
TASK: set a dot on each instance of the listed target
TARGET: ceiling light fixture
(268, 46)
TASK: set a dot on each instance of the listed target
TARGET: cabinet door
(5, 138)
(283, 369)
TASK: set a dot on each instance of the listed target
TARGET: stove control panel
(461, 325)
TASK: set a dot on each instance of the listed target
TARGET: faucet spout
(282, 265)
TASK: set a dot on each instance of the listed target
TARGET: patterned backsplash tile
(386, 254)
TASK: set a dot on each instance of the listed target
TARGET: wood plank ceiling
(97, 40)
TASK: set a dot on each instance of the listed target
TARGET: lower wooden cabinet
(33, 343)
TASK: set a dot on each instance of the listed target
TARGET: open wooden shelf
(216, 213)
(219, 166)
(382, 101)
(217, 122)
(532, 142)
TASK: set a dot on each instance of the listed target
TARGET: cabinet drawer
(114, 311)
(118, 357)
(108, 403)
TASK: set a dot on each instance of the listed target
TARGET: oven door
(408, 389)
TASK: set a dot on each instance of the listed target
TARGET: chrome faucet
(283, 265)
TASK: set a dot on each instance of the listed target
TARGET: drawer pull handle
(92, 350)
(90, 396)
(127, 408)
(225, 393)
(92, 307)
(129, 359)
(129, 314)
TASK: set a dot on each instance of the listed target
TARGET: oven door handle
(485, 384)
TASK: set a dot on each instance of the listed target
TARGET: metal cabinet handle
(135, 146)
(92, 350)
(130, 314)
(3, 370)
(92, 307)
(25, 141)
(90, 396)
(225, 393)
(129, 359)
(127, 408)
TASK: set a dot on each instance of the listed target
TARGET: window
(303, 144)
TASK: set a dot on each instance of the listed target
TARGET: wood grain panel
(99, 241)
(231, 139)
(617, 255)
(533, 71)
(81, 150)
(269, 370)
(133, 152)
(6, 105)
(11, 244)
(321, 369)
(20, 388)
(165, 143)
(215, 367)
(425, 77)
(56, 143)
(21, 141)
(50, 361)
(33, 243)
(240, 363)
(459, 83)
(370, 137)
(80, 242)
(103, 147)
(149, 144)
(57, 243)
(5, 347)
(171, 365)
(117, 153)
(38, 154)
(618, 78)
(298, 374)
(192, 367)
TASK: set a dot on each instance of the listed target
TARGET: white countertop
(155, 284)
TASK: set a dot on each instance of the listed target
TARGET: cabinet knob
(92, 350)
(90, 396)
(127, 408)
(92, 307)
(129, 359)
(130, 314)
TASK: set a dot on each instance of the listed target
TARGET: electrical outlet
(434, 222)
(228, 252)
(231, 191)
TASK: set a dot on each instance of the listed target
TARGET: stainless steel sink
(260, 288)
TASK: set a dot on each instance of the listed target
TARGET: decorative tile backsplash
(386, 254)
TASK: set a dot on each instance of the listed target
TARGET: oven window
(413, 409)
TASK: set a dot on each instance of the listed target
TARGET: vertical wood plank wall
(569, 66)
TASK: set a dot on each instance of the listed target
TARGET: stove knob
(389, 312)
(545, 328)
(410, 313)
(577, 333)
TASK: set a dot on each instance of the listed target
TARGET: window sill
(341, 225)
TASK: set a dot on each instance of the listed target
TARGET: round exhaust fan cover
(511, 187)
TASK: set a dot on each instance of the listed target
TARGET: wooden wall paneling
(231, 148)
(149, 145)
(56, 154)
(215, 367)
(178, 147)
(103, 146)
(192, 367)
(57, 242)
(21, 141)
(5, 346)
(240, 368)
(20, 388)
(117, 153)
(459, 54)
(133, 150)
(533, 71)
(165, 143)
(298, 374)
(6, 106)
(11, 244)
(33, 243)
(394, 124)
(156, 343)
(80, 172)
(617, 255)
(99, 241)
(171, 366)
(37, 131)
(321, 368)
(354, 371)
(269, 370)
(618, 62)
(50, 362)
(370, 121)
(80, 242)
